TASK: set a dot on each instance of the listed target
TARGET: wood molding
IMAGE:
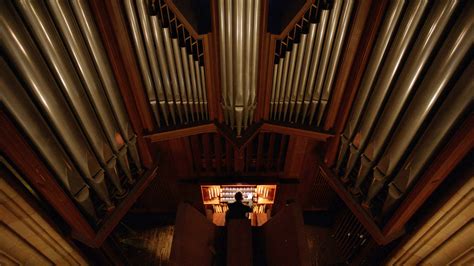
(452, 153)
(181, 133)
(293, 22)
(296, 131)
(364, 218)
(18, 150)
(111, 221)
(183, 20)
(360, 41)
(212, 90)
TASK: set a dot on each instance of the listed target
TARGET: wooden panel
(296, 131)
(295, 156)
(239, 243)
(183, 132)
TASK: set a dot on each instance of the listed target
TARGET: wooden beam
(181, 133)
(453, 152)
(111, 221)
(353, 62)
(295, 131)
(364, 218)
(182, 19)
(295, 20)
(18, 150)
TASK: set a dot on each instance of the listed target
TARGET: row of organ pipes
(171, 63)
(306, 62)
(58, 85)
(239, 36)
(416, 89)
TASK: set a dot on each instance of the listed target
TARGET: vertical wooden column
(115, 36)
(23, 156)
(353, 62)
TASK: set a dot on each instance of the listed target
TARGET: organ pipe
(92, 37)
(387, 31)
(31, 67)
(392, 65)
(456, 104)
(433, 86)
(17, 102)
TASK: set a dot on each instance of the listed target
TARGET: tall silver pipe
(453, 52)
(187, 80)
(299, 64)
(197, 70)
(230, 61)
(223, 57)
(144, 19)
(165, 72)
(17, 102)
(393, 64)
(194, 85)
(248, 20)
(289, 79)
(172, 71)
(141, 54)
(378, 54)
(57, 56)
(281, 63)
(19, 47)
(315, 60)
(283, 83)
(204, 92)
(308, 54)
(324, 60)
(455, 105)
(239, 62)
(181, 82)
(343, 28)
(93, 39)
(274, 83)
(255, 56)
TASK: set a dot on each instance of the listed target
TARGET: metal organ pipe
(284, 78)
(392, 65)
(181, 82)
(289, 80)
(239, 24)
(446, 63)
(187, 80)
(32, 68)
(456, 104)
(299, 64)
(90, 31)
(57, 56)
(17, 102)
(379, 52)
(281, 63)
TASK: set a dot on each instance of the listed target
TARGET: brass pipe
(392, 65)
(315, 60)
(230, 61)
(336, 52)
(248, 20)
(93, 39)
(197, 70)
(35, 73)
(187, 79)
(17, 102)
(289, 80)
(223, 57)
(255, 56)
(238, 74)
(329, 45)
(299, 64)
(140, 51)
(306, 65)
(42, 25)
(144, 19)
(447, 61)
(385, 37)
(445, 120)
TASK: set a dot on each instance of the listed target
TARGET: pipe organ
(171, 63)
(419, 95)
(239, 34)
(67, 102)
(306, 62)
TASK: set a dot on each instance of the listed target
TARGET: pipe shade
(17, 101)
(19, 48)
(445, 121)
(448, 60)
